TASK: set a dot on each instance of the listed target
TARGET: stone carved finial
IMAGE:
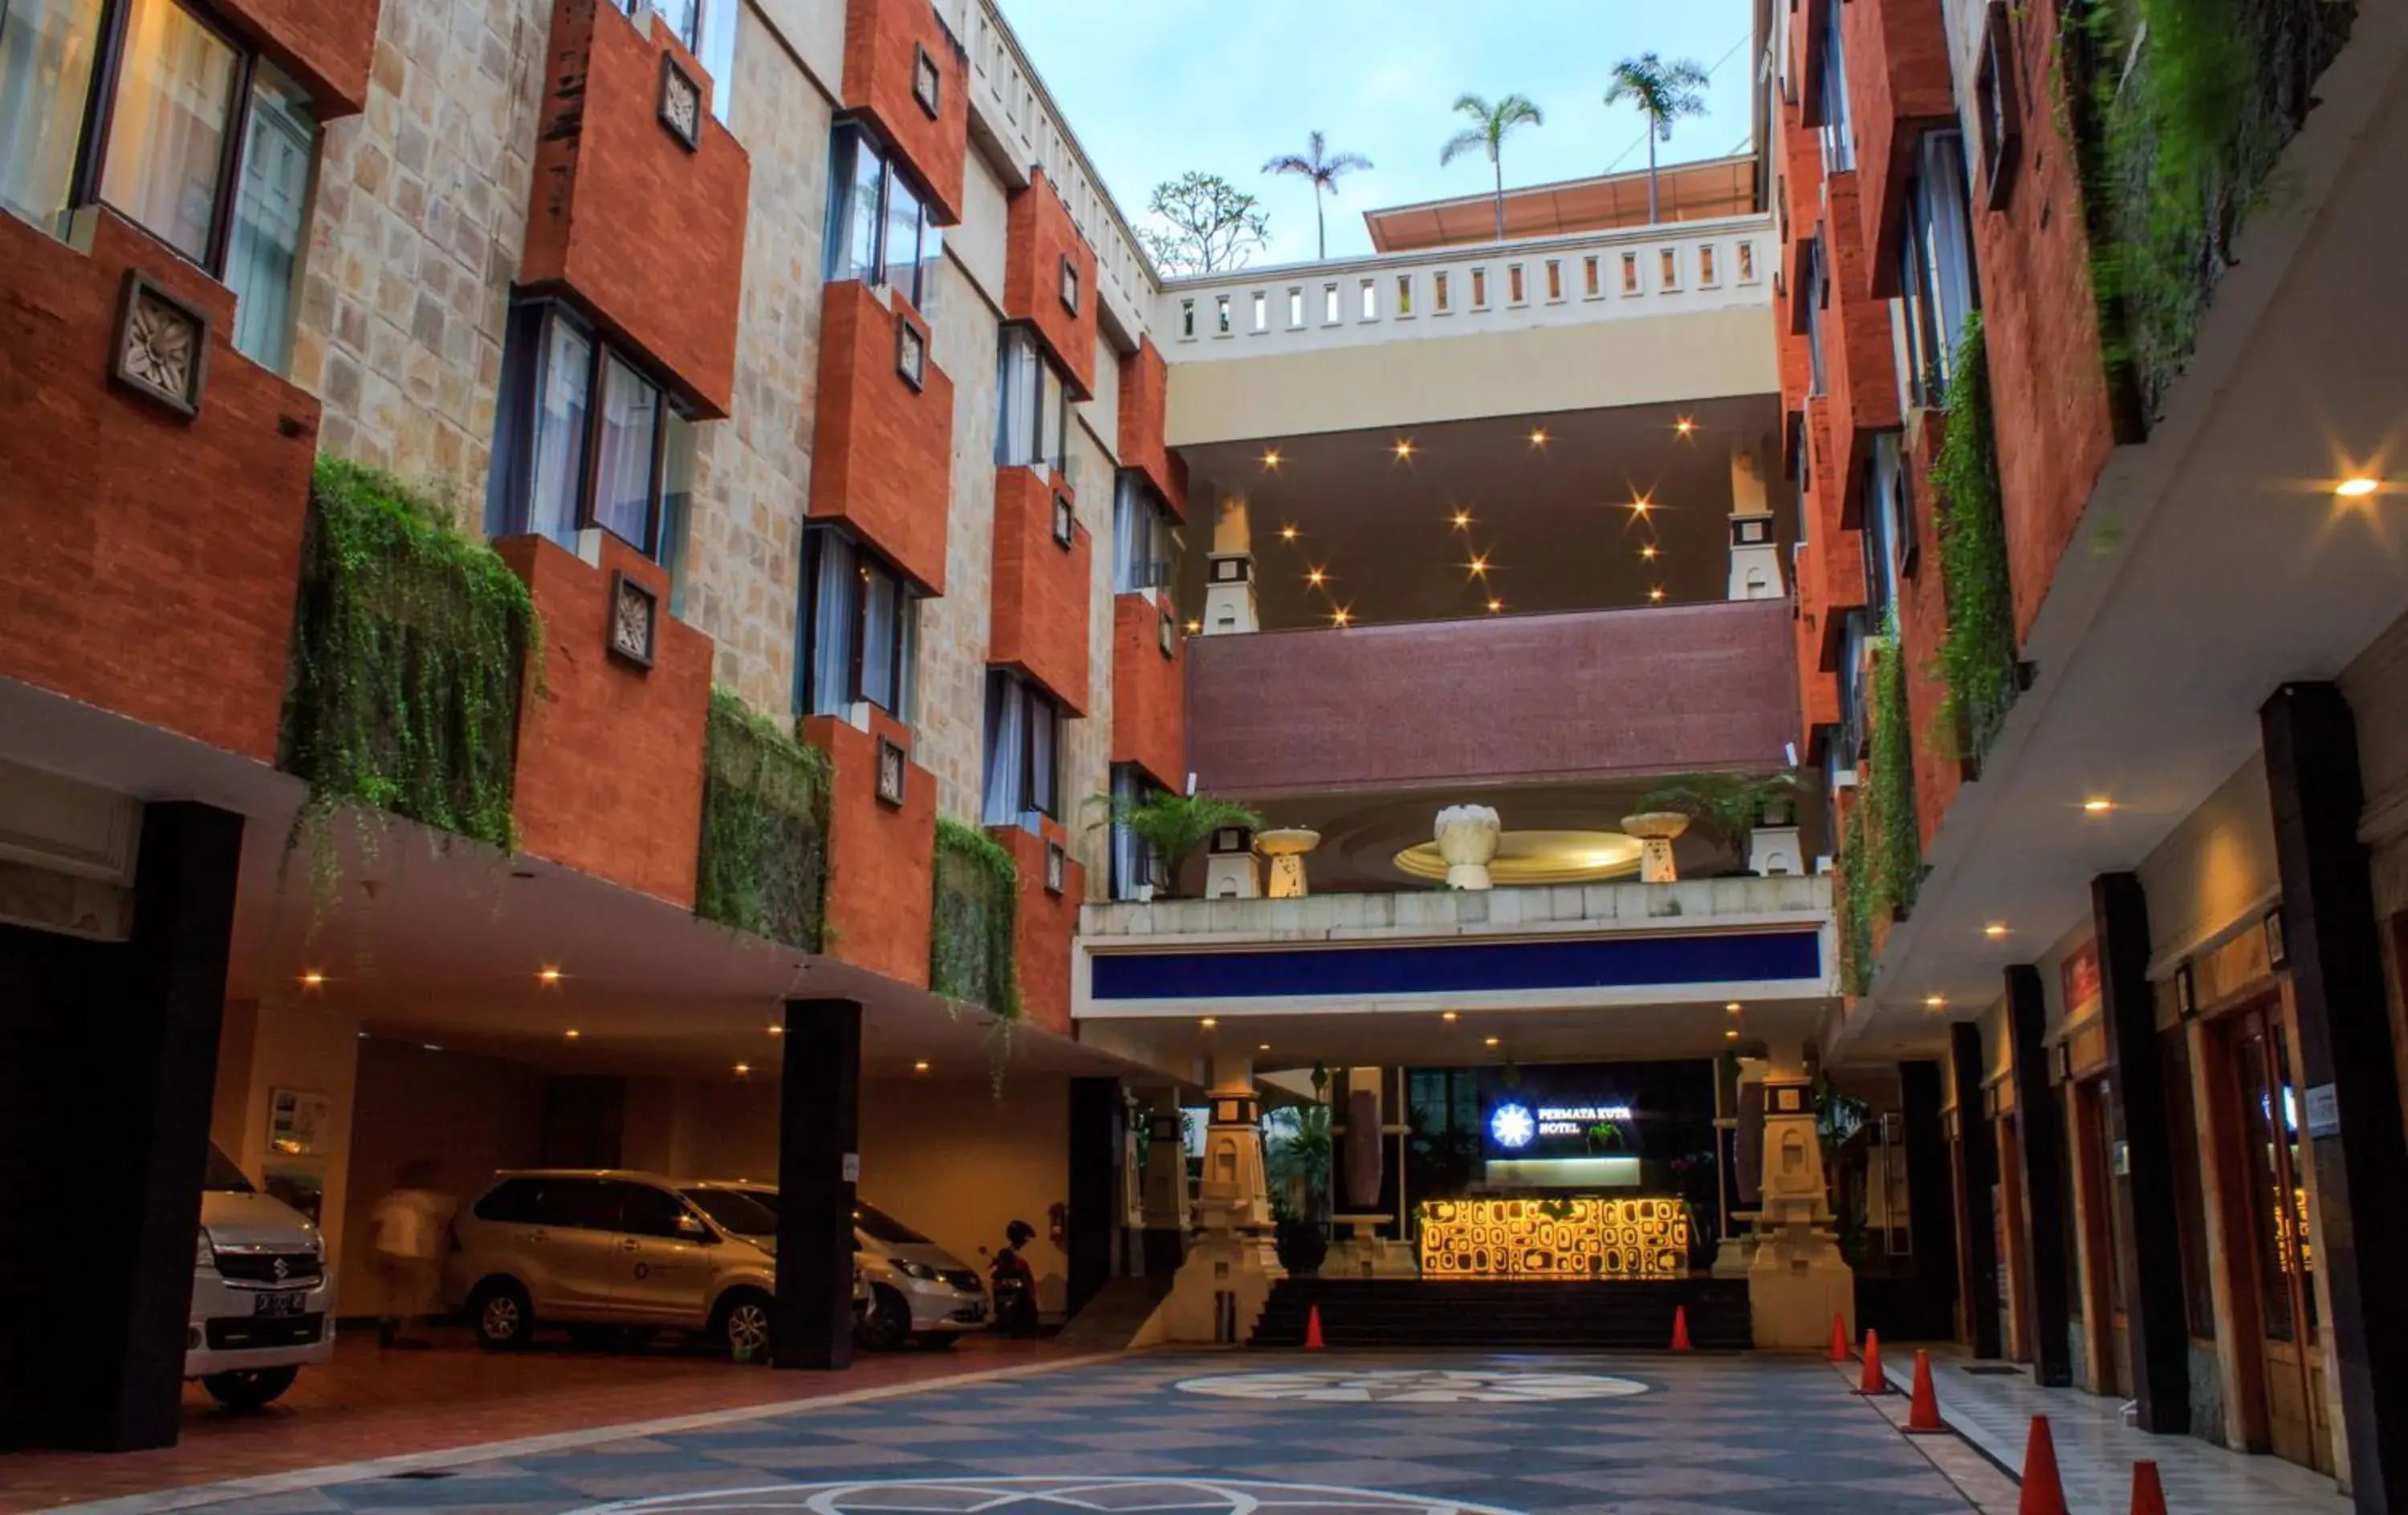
(1286, 847)
(1656, 830)
(1467, 840)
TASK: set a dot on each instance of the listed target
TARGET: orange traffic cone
(1680, 1328)
(2148, 1495)
(2043, 1491)
(1312, 1342)
(1923, 1415)
(1874, 1382)
(1839, 1338)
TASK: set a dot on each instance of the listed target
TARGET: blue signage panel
(1461, 968)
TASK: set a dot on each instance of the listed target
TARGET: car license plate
(279, 1305)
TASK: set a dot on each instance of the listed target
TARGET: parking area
(372, 1403)
(1330, 1434)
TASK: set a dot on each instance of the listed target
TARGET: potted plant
(1729, 807)
(1175, 825)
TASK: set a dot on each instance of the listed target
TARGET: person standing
(405, 1237)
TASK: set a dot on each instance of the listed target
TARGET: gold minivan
(604, 1250)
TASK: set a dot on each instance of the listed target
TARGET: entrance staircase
(1624, 1315)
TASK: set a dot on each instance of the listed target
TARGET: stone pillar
(2345, 1070)
(819, 1164)
(1234, 1196)
(1229, 869)
(1165, 1185)
(2154, 1310)
(1656, 830)
(1095, 1140)
(1754, 555)
(1798, 1279)
(108, 1051)
(1931, 1205)
(2040, 1122)
(1231, 1263)
(1229, 573)
(1977, 1175)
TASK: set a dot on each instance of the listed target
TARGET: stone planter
(1285, 846)
(1467, 840)
(1655, 831)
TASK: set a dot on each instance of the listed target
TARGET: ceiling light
(1539, 438)
(921, 1066)
(1648, 551)
(1656, 594)
(1684, 425)
(1404, 449)
(1495, 605)
(550, 976)
(777, 1031)
(1339, 618)
(1287, 534)
(743, 1069)
(1262, 1047)
(1210, 1021)
(1196, 628)
(1640, 505)
(1448, 1016)
(1993, 930)
(1480, 564)
(570, 1033)
(1315, 578)
(2098, 806)
(432, 1046)
(2358, 487)
(1732, 1035)
(1935, 1002)
(1732, 1007)
(1489, 1041)
(313, 980)
(1463, 518)
(1270, 458)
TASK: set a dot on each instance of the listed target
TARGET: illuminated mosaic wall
(1575, 1238)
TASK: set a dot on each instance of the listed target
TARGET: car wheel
(888, 1324)
(741, 1325)
(501, 1315)
(249, 1388)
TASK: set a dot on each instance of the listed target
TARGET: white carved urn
(1285, 846)
(1467, 840)
(1656, 830)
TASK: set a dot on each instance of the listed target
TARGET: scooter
(1015, 1284)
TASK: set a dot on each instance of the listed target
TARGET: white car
(263, 1296)
(917, 1289)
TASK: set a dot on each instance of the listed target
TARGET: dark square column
(2041, 1122)
(1096, 1130)
(1931, 1205)
(819, 1162)
(2345, 1062)
(1977, 1175)
(108, 1052)
(2154, 1310)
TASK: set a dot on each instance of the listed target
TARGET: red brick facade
(646, 233)
(327, 46)
(1149, 692)
(883, 857)
(1040, 241)
(610, 754)
(1046, 925)
(1042, 587)
(1899, 87)
(1145, 387)
(884, 43)
(151, 559)
(883, 453)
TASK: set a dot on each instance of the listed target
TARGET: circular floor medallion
(1414, 1386)
(1056, 1495)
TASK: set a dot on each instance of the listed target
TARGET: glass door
(2280, 1265)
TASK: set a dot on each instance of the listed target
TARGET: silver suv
(595, 1250)
(261, 1292)
(917, 1289)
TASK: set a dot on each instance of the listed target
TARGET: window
(584, 437)
(1630, 273)
(1889, 522)
(1187, 318)
(645, 1211)
(147, 106)
(1404, 295)
(684, 19)
(1370, 300)
(1668, 268)
(1033, 402)
(878, 227)
(1513, 294)
(1294, 308)
(1329, 305)
(858, 632)
(1935, 269)
(1592, 284)
(1024, 750)
(1832, 89)
(1478, 289)
(1438, 291)
(1145, 544)
(1818, 296)
(1996, 111)
(1221, 313)
(1555, 279)
(1262, 310)
(1747, 262)
(1708, 274)
(1134, 861)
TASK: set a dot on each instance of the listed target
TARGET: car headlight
(916, 1270)
(317, 1246)
(203, 1255)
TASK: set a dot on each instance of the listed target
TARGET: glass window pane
(167, 133)
(1041, 755)
(1051, 414)
(269, 219)
(46, 58)
(677, 499)
(903, 240)
(623, 470)
(852, 207)
(828, 617)
(684, 18)
(566, 375)
(1007, 728)
(1016, 437)
(881, 601)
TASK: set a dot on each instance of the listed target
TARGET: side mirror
(690, 1228)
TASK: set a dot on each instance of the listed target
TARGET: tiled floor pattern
(1710, 1436)
(370, 1404)
(2096, 1450)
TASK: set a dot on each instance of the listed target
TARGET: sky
(1154, 88)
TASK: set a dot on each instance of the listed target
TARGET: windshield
(223, 1176)
(735, 1211)
(880, 1226)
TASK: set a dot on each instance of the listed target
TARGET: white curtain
(562, 384)
(879, 609)
(622, 473)
(1007, 737)
(46, 58)
(832, 624)
(167, 132)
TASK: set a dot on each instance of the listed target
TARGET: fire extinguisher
(1058, 1222)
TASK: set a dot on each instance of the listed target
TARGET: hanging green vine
(1894, 843)
(764, 865)
(1856, 901)
(409, 644)
(2181, 109)
(973, 954)
(1977, 652)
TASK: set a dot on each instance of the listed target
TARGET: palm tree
(1494, 121)
(1664, 93)
(1324, 171)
